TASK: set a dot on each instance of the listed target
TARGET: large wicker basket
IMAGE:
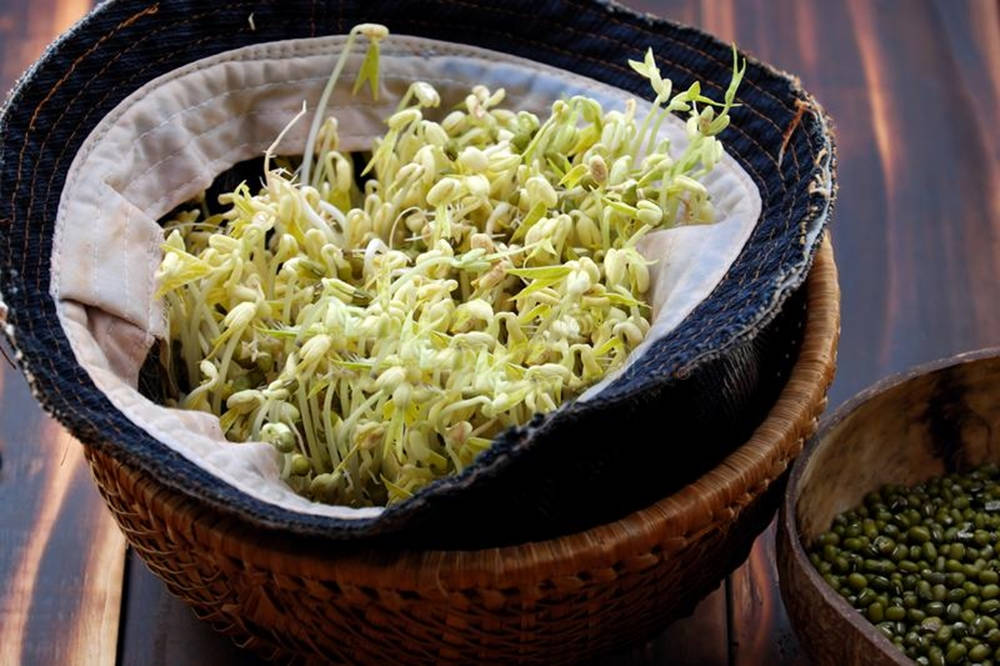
(560, 600)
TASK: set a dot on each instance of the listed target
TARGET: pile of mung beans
(922, 563)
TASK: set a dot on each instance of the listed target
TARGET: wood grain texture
(759, 629)
(914, 90)
(60, 551)
(697, 640)
(61, 554)
(160, 630)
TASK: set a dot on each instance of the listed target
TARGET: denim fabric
(688, 401)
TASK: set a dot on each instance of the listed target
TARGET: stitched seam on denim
(284, 51)
(460, 51)
(81, 121)
(807, 213)
(98, 104)
(280, 49)
(31, 123)
(104, 68)
(820, 216)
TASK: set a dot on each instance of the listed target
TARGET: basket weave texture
(561, 600)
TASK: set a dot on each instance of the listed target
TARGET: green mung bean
(921, 564)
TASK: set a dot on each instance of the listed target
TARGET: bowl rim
(788, 521)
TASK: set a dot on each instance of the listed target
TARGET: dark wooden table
(914, 90)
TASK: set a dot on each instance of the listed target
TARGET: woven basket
(560, 600)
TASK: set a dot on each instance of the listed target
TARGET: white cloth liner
(167, 141)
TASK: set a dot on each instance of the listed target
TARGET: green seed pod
(990, 606)
(324, 486)
(279, 435)
(245, 401)
(866, 597)
(300, 465)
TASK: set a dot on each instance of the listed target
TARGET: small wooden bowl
(936, 419)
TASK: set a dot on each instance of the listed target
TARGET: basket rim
(710, 502)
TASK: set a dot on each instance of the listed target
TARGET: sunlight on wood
(15, 601)
(758, 625)
(44, 21)
(717, 17)
(883, 113)
(807, 39)
(68, 12)
(877, 86)
(986, 23)
(95, 636)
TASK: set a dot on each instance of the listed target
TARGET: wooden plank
(760, 632)
(913, 89)
(697, 640)
(158, 629)
(680, 11)
(60, 551)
